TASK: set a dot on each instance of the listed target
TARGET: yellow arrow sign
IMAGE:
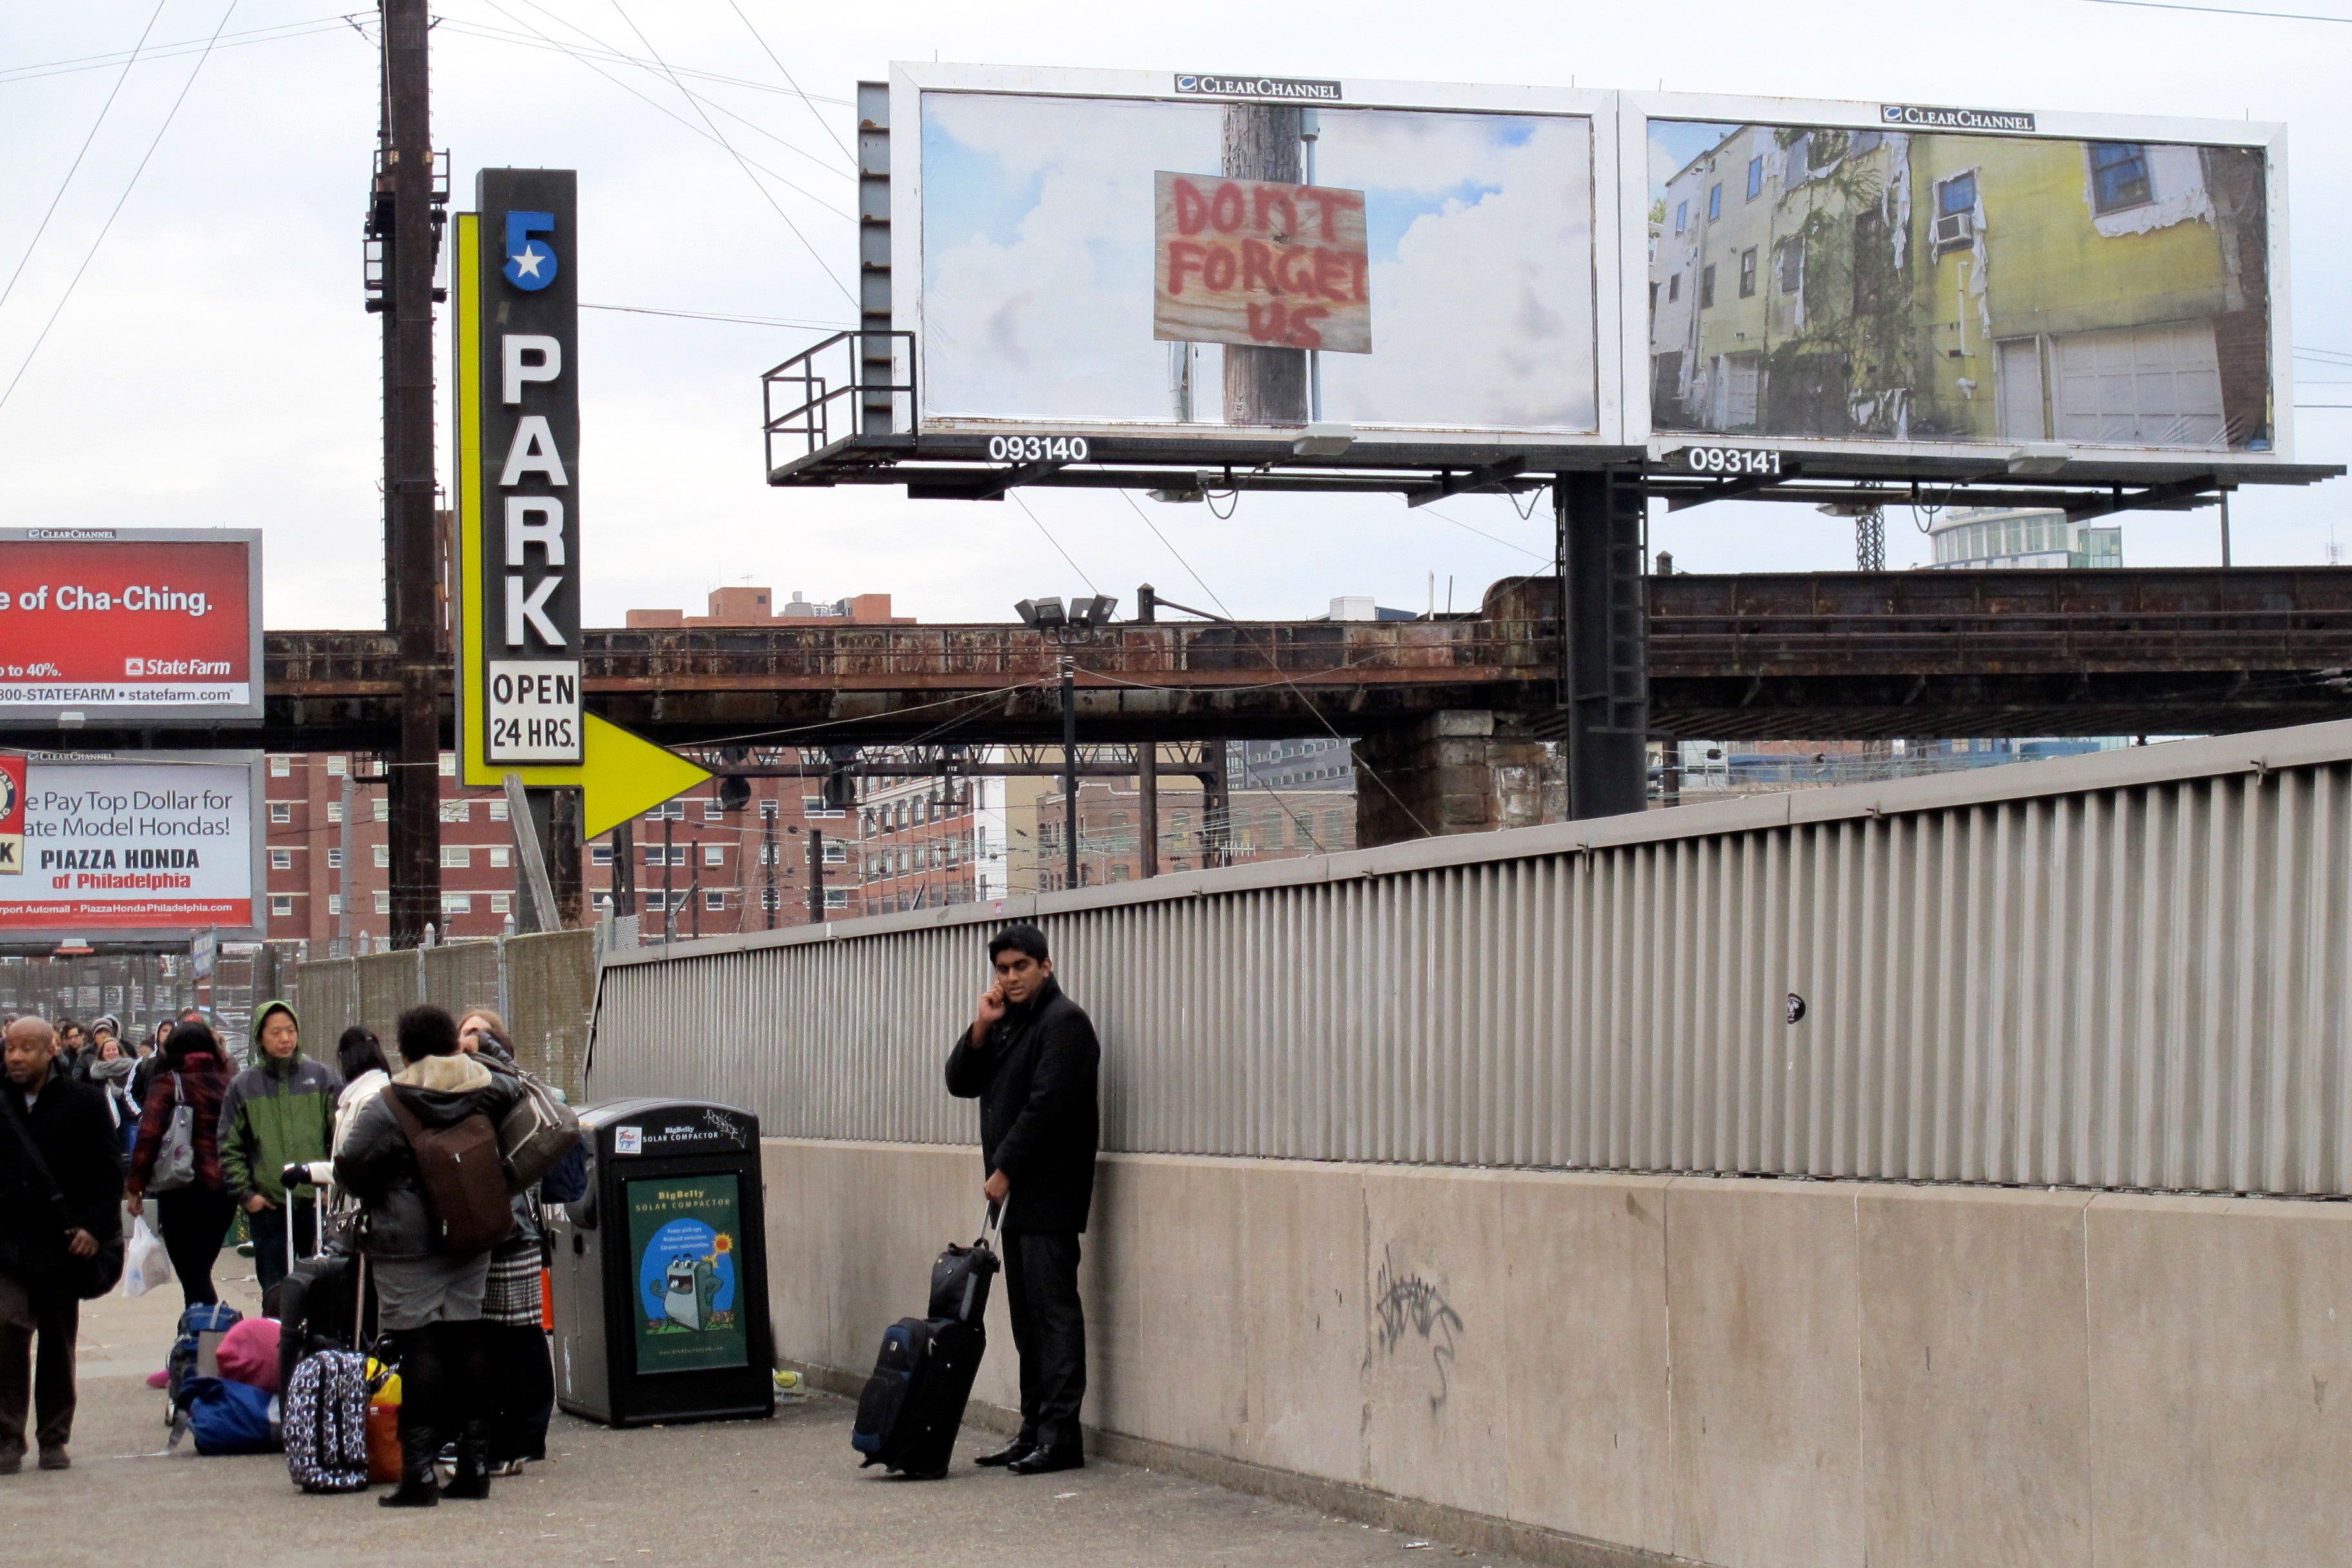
(619, 775)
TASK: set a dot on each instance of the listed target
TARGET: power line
(43, 226)
(716, 316)
(765, 194)
(1057, 544)
(823, 122)
(238, 40)
(604, 51)
(1282, 679)
(1484, 534)
(2219, 10)
(107, 227)
(581, 56)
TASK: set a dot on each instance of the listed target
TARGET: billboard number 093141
(1731, 461)
(1036, 449)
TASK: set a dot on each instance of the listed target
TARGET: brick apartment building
(710, 869)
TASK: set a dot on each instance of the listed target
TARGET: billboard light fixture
(1042, 614)
(1325, 438)
(2038, 458)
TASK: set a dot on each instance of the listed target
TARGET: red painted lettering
(1356, 269)
(1277, 214)
(1332, 274)
(1266, 322)
(1191, 208)
(1257, 268)
(1183, 255)
(1328, 205)
(1303, 334)
(1227, 209)
(1218, 271)
(1295, 271)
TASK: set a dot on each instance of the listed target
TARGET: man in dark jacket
(68, 1168)
(1030, 1057)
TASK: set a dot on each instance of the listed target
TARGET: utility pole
(768, 861)
(625, 869)
(1264, 385)
(816, 877)
(669, 879)
(409, 234)
(1070, 770)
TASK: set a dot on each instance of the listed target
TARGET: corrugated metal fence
(543, 985)
(2127, 970)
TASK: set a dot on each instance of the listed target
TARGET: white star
(528, 259)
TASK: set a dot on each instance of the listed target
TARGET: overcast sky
(213, 364)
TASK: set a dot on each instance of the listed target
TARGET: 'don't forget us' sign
(1260, 262)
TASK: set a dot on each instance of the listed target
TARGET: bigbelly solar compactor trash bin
(660, 1272)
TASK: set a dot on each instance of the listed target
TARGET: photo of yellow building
(1845, 283)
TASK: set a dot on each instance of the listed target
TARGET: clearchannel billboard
(145, 846)
(1934, 276)
(1230, 257)
(130, 626)
(1203, 254)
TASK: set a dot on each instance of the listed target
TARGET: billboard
(148, 846)
(1161, 253)
(1924, 278)
(1222, 259)
(130, 626)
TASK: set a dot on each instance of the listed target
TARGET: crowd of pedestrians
(168, 1130)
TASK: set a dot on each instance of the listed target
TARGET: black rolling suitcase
(913, 1406)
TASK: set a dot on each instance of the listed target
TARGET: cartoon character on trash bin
(689, 1286)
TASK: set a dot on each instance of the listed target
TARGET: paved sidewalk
(731, 1493)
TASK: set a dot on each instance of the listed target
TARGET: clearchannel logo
(1925, 119)
(1289, 89)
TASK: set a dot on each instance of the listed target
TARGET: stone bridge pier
(1453, 771)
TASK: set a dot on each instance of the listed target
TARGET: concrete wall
(1594, 1369)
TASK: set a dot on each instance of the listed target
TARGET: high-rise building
(1978, 539)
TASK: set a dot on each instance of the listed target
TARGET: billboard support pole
(1604, 639)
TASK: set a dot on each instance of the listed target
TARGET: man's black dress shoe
(1045, 1461)
(1013, 1453)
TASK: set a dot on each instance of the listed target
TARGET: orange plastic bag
(383, 1444)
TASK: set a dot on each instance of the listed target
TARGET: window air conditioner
(1956, 228)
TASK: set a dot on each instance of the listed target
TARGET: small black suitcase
(913, 1406)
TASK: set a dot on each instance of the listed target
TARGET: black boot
(418, 1486)
(472, 1482)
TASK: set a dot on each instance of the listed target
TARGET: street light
(1085, 614)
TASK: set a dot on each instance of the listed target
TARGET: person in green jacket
(280, 1111)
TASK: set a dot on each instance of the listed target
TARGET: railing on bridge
(2121, 970)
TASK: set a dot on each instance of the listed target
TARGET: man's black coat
(1035, 1077)
(69, 1124)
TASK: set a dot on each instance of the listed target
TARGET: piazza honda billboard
(1230, 257)
(130, 627)
(131, 846)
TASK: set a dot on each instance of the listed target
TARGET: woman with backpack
(192, 1214)
(430, 1222)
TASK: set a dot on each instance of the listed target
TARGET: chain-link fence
(544, 986)
(142, 989)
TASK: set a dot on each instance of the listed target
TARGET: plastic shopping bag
(145, 1264)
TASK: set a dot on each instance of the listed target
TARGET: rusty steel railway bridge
(1797, 655)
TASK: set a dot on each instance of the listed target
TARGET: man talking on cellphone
(1030, 1057)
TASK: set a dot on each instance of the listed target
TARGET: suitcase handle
(992, 1218)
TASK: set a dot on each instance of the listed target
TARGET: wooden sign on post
(1260, 262)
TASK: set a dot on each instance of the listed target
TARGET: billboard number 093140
(1036, 449)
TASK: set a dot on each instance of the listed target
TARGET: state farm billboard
(150, 845)
(130, 626)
